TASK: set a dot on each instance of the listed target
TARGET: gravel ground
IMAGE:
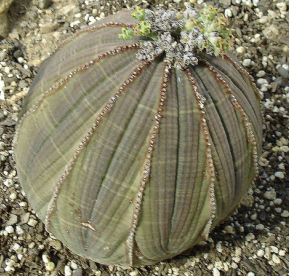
(254, 241)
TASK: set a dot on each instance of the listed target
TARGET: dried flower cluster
(179, 35)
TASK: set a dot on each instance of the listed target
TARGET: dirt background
(254, 241)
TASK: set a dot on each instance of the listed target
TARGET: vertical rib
(146, 169)
(209, 163)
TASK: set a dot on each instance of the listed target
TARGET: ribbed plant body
(132, 161)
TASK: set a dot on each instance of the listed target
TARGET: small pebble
(285, 214)
(32, 222)
(229, 229)
(31, 245)
(9, 229)
(261, 74)
(45, 258)
(67, 271)
(274, 249)
(238, 251)
(19, 230)
(15, 246)
(13, 196)
(247, 62)
(277, 201)
(275, 259)
(281, 6)
(260, 227)
(216, 272)
(12, 220)
(279, 174)
(50, 266)
(271, 195)
(260, 253)
(250, 237)
(73, 265)
(284, 148)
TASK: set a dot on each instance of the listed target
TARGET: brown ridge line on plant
(130, 242)
(246, 121)
(108, 107)
(91, 29)
(245, 76)
(242, 70)
(209, 162)
(56, 87)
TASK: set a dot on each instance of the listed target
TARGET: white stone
(284, 148)
(219, 247)
(263, 19)
(262, 81)
(67, 271)
(9, 229)
(13, 196)
(271, 195)
(277, 201)
(21, 60)
(229, 230)
(216, 272)
(281, 6)
(282, 252)
(250, 237)
(260, 227)
(12, 220)
(31, 245)
(15, 246)
(274, 249)
(32, 222)
(50, 266)
(238, 251)
(247, 62)
(284, 141)
(281, 166)
(228, 12)
(240, 50)
(279, 174)
(236, 259)
(250, 273)
(19, 230)
(285, 214)
(260, 253)
(254, 217)
(73, 265)
(275, 259)
(45, 258)
(8, 182)
(246, 16)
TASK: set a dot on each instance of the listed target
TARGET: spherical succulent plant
(139, 135)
